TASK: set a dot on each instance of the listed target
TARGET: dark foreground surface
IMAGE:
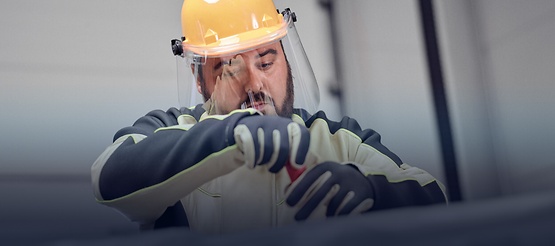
(517, 220)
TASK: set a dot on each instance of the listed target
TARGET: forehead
(249, 54)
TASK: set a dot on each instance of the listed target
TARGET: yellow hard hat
(216, 27)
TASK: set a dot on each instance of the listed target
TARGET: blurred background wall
(74, 72)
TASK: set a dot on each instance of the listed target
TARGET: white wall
(468, 99)
(71, 74)
(499, 56)
(518, 49)
(385, 78)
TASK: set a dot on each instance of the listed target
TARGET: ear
(199, 89)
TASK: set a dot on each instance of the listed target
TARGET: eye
(265, 65)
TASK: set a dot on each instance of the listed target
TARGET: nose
(254, 81)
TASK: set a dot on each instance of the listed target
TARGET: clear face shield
(272, 75)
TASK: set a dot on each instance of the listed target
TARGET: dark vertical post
(336, 88)
(440, 100)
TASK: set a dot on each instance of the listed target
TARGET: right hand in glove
(340, 189)
(272, 140)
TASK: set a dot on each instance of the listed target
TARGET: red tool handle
(294, 173)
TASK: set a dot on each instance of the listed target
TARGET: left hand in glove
(340, 187)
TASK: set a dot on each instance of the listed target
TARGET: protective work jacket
(181, 168)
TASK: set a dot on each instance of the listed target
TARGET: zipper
(275, 199)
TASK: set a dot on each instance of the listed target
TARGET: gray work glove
(340, 189)
(272, 140)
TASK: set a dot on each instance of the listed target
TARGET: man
(251, 155)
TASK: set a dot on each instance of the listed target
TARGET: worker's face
(259, 79)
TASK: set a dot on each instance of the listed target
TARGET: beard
(286, 108)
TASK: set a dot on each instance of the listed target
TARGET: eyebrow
(266, 52)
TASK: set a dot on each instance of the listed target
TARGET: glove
(272, 140)
(342, 188)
